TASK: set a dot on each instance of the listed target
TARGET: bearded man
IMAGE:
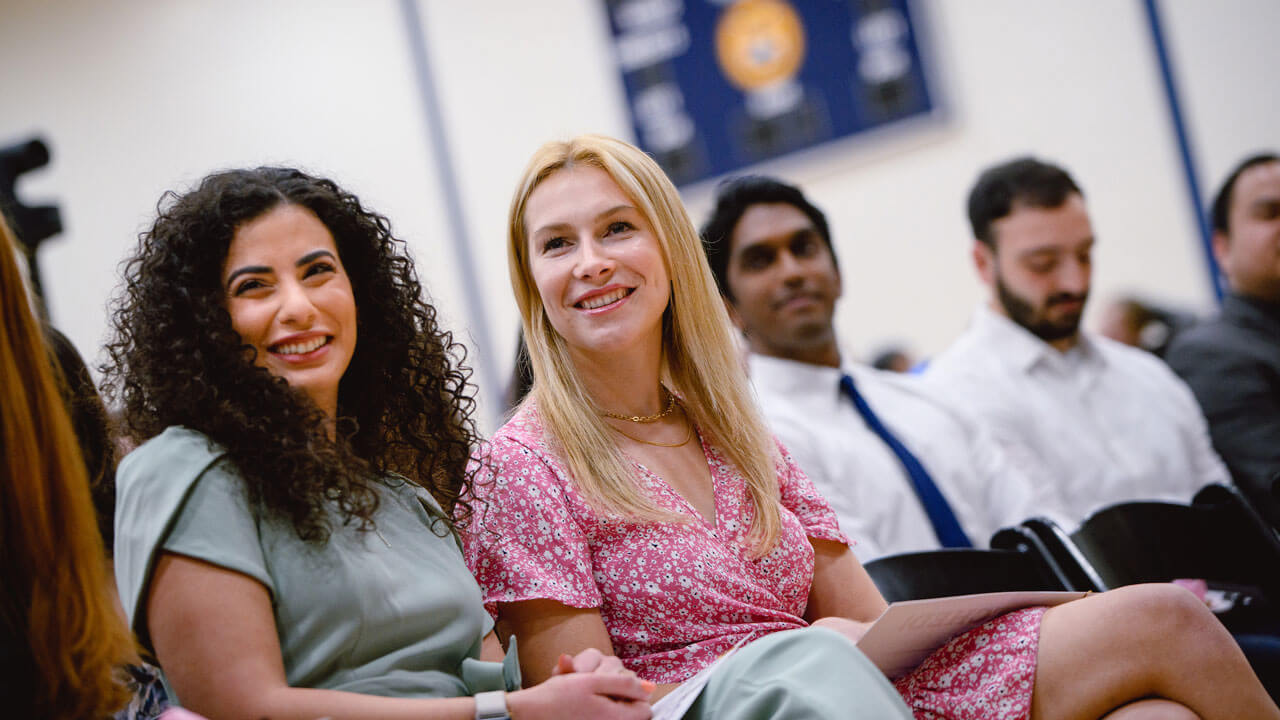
(1103, 422)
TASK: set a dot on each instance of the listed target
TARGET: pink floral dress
(675, 596)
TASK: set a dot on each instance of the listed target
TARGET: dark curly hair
(405, 403)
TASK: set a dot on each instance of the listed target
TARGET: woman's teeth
(602, 300)
(302, 348)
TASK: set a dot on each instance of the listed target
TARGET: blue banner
(716, 85)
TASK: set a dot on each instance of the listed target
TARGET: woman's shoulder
(523, 431)
(175, 449)
(155, 480)
(524, 425)
(521, 446)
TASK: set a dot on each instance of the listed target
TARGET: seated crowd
(309, 525)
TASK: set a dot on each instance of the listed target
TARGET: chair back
(1046, 539)
(1217, 538)
(941, 573)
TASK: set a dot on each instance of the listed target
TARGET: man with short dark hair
(1232, 362)
(1102, 421)
(902, 470)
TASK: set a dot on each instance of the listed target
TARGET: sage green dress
(393, 612)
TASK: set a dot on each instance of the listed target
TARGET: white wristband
(492, 705)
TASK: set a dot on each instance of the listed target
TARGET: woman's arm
(547, 630)
(491, 649)
(550, 631)
(842, 590)
(215, 636)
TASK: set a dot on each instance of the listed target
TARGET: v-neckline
(712, 524)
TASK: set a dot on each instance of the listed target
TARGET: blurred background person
(1232, 362)
(62, 641)
(1141, 324)
(894, 358)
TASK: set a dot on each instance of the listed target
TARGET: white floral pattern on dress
(674, 597)
(987, 673)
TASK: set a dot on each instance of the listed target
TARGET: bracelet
(492, 705)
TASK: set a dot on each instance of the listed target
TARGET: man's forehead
(769, 223)
(1029, 228)
(1262, 179)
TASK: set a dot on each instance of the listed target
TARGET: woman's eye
(554, 243)
(318, 268)
(619, 227)
(247, 286)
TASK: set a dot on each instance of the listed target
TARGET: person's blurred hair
(55, 589)
(701, 363)
(1022, 182)
(1220, 210)
(92, 425)
(733, 198)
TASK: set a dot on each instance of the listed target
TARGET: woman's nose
(593, 260)
(296, 307)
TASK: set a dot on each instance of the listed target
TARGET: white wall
(139, 97)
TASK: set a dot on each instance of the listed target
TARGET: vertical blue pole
(1184, 144)
(488, 378)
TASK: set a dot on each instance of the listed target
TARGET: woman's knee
(1152, 709)
(1162, 609)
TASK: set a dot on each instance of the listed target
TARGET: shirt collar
(1023, 351)
(792, 376)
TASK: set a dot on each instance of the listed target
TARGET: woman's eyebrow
(247, 270)
(562, 226)
(312, 256)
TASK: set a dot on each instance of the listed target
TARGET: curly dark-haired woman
(281, 536)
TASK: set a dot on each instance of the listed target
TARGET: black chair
(1263, 494)
(1219, 538)
(941, 573)
(1260, 490)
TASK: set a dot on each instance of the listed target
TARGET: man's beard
(1033, 318)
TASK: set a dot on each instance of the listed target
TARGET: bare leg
(1152, 710)
(1145, 641)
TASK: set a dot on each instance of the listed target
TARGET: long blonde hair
(699, 357)
(55, 591)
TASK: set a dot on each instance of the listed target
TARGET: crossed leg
(1117, 654)
(1152, 709)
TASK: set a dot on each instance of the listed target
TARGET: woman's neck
(626, 383)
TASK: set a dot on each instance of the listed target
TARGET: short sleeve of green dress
(393, 612)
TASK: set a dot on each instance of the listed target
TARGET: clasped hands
(594, 684)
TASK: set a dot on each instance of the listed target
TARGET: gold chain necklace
(683, 442)
(671, 405)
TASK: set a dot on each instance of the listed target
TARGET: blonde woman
(636, 503)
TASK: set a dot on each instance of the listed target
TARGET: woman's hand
(589, 694)
(589, 660)
(851, 629)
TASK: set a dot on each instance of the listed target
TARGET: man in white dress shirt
(1098, 422)
(770, 251)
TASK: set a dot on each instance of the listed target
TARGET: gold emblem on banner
(759, 43)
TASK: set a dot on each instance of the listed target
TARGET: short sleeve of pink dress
(673, 596)
(801, 497)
